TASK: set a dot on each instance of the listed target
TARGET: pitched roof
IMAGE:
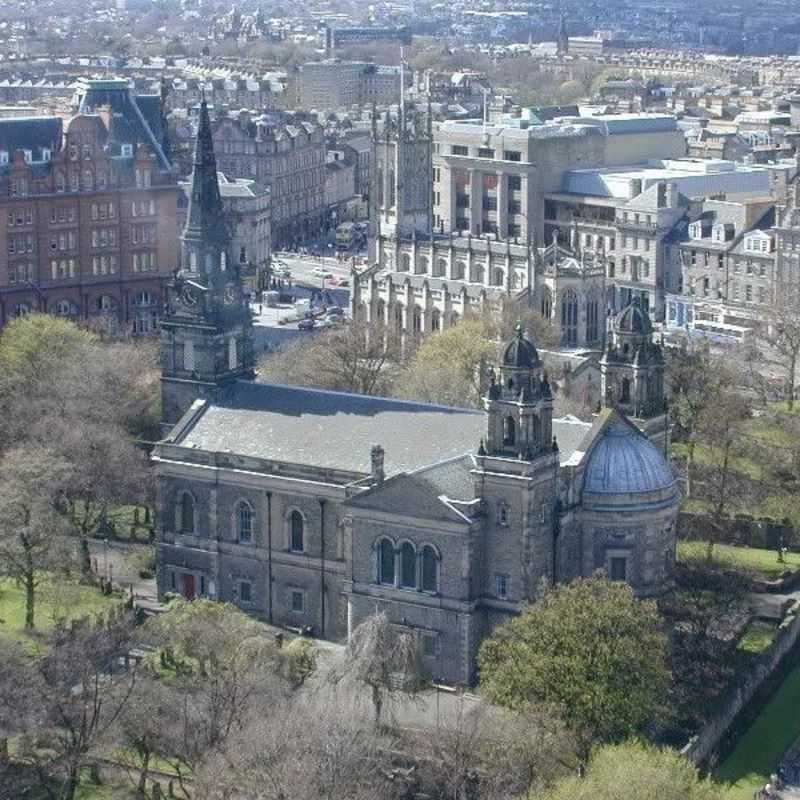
(30, 133)
(336, 430)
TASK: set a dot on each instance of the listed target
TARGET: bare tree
(696, 383)
(352, 358)
(32, 529)
(226, 674)
(74, 697)
(382, 658)
(484, 751)
(783, 334)
(719, 433)
(317, 748)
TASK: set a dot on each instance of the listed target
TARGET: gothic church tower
(402, 202)
(206, 336)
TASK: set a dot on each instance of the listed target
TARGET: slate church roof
(336, 430)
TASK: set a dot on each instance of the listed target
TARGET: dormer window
(28, 155)
(46, 154)
(126, 150)
(3, 157)
(696, 230)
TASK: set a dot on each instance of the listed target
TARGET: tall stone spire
(205, 237)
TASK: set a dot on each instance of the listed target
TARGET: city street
(303, 267)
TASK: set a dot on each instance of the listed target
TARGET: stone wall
(740, 530)
(702, 747)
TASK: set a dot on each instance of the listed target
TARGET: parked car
(306, 324)
(334, 311)
(321, 272)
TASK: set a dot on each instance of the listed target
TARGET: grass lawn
(758, 636)
(756, 756)
(57, 599)
(751, 559)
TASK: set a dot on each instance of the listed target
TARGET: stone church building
(313, 509)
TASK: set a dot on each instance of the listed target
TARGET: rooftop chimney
(376, 455)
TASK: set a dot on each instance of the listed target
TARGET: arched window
(398, 317)
(626, 391)
(476, 273)
(244, 522)
(498, 276)
(592, 319)
(417, 320)
(509, 431)
(547, 303)
(186, 513)
(569, 318)
(408, 566)
(440, 268)
(380, 312)
(296, 532)
(430, 570)
(459, 270)
(436, 320)
(405, 262)
(386, 562)
(421, 266)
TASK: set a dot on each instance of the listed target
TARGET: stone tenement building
(333, 84)
(88, 215)
(285, 154)
(314, 509)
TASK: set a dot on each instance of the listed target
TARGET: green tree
(589, 649)
(635, 771)
(448, 366)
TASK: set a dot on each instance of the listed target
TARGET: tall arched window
(626, 391)
(476, 273)
(417, 320)
(244, 522)
(509, 431)
(436, 320)
(592, 320)
(498, 276)
(440, 268)
(408, 566)
(430, 570)
(547, 303)
(296, 532)
(186, 513)
(405, 262)
(569, 318)
(386, 562)
(459, 270)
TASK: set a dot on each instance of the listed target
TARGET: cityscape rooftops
(693, 177)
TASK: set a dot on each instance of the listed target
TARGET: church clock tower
(206, 332)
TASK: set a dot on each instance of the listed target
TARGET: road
(302, 268)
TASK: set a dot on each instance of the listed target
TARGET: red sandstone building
(88, 214)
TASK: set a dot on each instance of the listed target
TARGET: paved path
(113, 559)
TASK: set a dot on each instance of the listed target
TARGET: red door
(188, 587)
